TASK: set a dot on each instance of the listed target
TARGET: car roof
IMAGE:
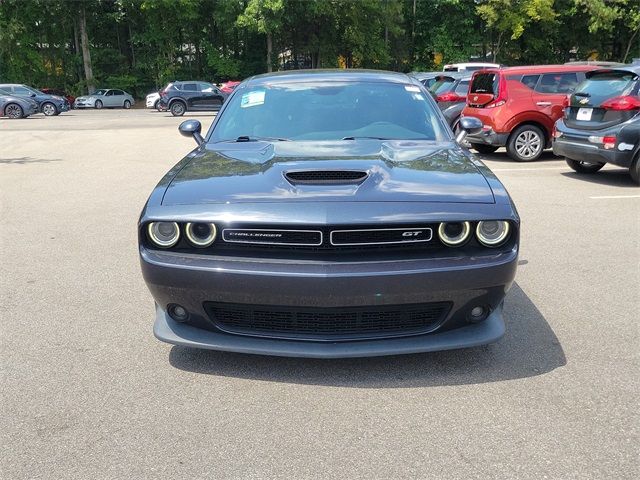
(346, 75)
(544, 69)
(634, 68)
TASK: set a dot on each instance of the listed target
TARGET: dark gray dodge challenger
(329, 214)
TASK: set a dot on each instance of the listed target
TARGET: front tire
(526, 143)
(98, 104)
(127, 104)
(178, 109)
(583, 167)
(49, 109)
(13, 111)
(482, 148)
(634, 171)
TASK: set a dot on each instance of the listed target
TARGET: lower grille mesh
(327, 323)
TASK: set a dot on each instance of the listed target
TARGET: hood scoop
(326, 177)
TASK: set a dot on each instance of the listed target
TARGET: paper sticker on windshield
(251, 99)
(411, 88)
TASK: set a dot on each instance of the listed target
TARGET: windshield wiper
(582, 94)
(247, 138)
(371, 138)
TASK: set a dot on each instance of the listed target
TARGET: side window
(207, 87)
(557, 83)
(189, 87)
(530, 81)
(109, 93)
(462, 88)
(118, 92)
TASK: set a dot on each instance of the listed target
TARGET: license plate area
(584, 114)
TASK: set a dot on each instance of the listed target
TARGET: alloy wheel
(528, 144)
(49, 109)
(13, 111)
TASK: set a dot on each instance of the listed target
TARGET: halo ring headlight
(164, 234)
(456, 238)
(201, 234)
(492, 233)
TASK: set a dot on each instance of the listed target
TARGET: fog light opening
(478, 313)
(178, 312)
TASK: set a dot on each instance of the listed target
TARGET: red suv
(519, 105)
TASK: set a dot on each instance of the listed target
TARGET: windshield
(100, 92)
(602, 86)
(34, 90)
(442, 85)
(329, 110)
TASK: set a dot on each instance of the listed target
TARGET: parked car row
(21, 101)
(587, 112)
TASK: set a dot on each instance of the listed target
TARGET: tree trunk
(626, 53)
(269, 52)
(496, 50)
(84, 42)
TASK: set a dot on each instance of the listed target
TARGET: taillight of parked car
(608, 143)
(626, 102)
(450, 97)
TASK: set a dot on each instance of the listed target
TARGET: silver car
(110, 98)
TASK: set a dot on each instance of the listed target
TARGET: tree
(265, 17)
(512, 17)
(607, 15)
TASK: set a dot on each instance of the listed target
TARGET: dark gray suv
(601, 122)
(181, 97)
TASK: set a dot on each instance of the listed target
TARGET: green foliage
(139, 45)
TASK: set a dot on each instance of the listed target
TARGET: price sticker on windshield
(252, 99)
(584, 114)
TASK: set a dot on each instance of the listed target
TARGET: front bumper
(489, 137)
(84, 104)
(575, 145)
(190, 280)
(488, 331)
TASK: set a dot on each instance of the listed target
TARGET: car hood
(403, 171)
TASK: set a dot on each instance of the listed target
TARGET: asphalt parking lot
(88, 392)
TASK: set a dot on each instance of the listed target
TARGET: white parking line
(526, 169)
(615, 196)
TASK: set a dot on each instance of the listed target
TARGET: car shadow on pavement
(618, 177)
(501, 156)
(529, 348)
(24, 160)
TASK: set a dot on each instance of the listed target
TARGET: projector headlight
(454, 234)
(164, 234)
(492, 233)
(201, 234)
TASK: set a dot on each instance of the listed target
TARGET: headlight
(164, 234)
(492, 233)
(201, 234)
(455, 233)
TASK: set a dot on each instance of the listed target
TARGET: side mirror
(191, 128)
(32, 95)
(468, 126)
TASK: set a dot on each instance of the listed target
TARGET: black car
(329, 214)
(48, 104)
(191, 96)
(450, 91)
(601, 123)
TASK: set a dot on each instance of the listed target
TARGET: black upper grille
(262, 236)
(330, 324)
(380, 236)
(329, 177)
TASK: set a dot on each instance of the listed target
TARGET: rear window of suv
(602, 86)
(485, 83)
